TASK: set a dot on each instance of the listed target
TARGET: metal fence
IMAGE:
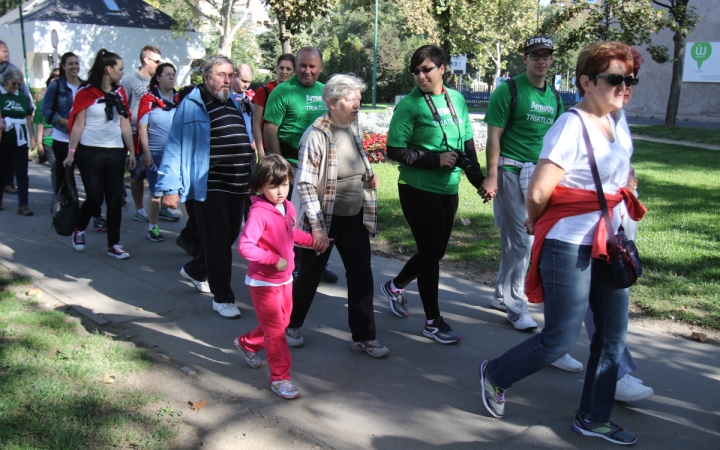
(480, 98)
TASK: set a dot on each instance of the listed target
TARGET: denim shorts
(152, 175)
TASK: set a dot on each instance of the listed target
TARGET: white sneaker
(294, 338)
(497, 303)
(628, 390)
(524, 323)
(201, 286)
(227, 310)
(568, 363)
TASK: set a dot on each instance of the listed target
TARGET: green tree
(295, 15)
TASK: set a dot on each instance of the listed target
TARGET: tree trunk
(284, 38)
(677, 77)
(225, 47)
(497, 61)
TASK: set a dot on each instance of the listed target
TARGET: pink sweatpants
(273, 305)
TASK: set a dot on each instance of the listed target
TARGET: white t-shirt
(564, 145)
(62, 136)
(100, 132)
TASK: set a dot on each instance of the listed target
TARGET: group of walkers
(289, 160)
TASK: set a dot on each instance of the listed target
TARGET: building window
(112, 6)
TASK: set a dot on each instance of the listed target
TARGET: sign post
(54, 42)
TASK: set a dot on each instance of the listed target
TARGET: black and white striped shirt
(230, 151)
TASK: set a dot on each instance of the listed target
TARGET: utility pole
(375, 46)
(22, 33)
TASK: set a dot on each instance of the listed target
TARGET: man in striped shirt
(207, 164)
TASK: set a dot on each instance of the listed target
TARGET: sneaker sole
(437, 339)
(388, 296)
(286, 397)
(481, 374)
(369, 353)
(522, 329)
(568, 369)
(585, 432)
(500, 307)
(123, 256)
(144, 220)
(228, 317)
(249, 361)
(170, 220)
(161, 239)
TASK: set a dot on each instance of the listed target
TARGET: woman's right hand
(448, 159)
(147, 159)
(69, 160)
(529, 227)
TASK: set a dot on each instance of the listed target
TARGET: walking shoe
(167, 214)
(523, 323)
(117, 251)
(294, 338)
(607, 430)
(78, 240)
(155, 235)
(568, 363)
(328, 275)
(285, 389)
(185, 245)
(396, 299)
(141, 216)
(11, 189)
(99, 224)
(371, 347)
(441, 332)
(201, 286)
(498, 303)
(493, 397)
(252, 358)
(629, 390)
(227, 310)
(25, 211)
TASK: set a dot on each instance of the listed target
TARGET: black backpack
(65, 208)
(513, 100)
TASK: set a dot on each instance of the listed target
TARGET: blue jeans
(152, 175)
(571, 281)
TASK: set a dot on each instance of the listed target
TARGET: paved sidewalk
(423, 395)
(675, 142)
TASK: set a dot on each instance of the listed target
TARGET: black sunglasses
(615, 79)
(425, 70)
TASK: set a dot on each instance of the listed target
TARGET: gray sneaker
(169, 215)
(294, 338)
(371, 347)
(493, 397)
(285, 389)
(252, 358)
(396, 299)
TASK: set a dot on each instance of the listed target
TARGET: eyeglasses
(614, 79)
(156, 61)
(424, 70)
(168, 75)
(223, 75)
(544, 56)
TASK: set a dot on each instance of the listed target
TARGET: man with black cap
(520, 112)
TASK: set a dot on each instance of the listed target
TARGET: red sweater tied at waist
(568, 202)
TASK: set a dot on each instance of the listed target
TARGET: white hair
(10, 74)
(340, 85)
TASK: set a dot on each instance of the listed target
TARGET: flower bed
(375, 145)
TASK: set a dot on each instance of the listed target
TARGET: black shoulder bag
(623, 255)
(65, 208)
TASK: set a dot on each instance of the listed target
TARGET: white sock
(151, 226)
(429, 322)
(141, 210)
(393, 287)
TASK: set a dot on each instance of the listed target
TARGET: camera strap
(436, 114)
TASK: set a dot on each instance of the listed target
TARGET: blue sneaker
(493, 397)
(607, 430)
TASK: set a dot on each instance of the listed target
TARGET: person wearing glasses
(155, 114)
(568, 268)
(136, 85)
(430, 136)
(17, 134)
(206, 163)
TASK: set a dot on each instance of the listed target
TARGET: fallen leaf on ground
(702, 337)
(465, 222)
(200, 404)
(109, 379)
(35, 292)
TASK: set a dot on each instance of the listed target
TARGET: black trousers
(431, 218)
(217, 221)
(14, 160)
(60, 150)
(352, 241)
(189, 233)
(102, 170)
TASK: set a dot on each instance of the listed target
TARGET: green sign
(700, 52)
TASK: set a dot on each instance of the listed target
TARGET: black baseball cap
(536, 43)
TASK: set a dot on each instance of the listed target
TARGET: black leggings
(431, 218)
(102, 170)
(60, 150)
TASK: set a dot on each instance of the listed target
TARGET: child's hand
(281, 265)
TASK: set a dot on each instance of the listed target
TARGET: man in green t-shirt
(515, 139)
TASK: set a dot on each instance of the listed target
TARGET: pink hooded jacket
(269, 236)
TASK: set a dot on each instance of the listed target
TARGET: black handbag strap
(596, 176)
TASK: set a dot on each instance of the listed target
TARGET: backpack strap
(267, 91)
(557, 96)
(57, 93)
(513, 103)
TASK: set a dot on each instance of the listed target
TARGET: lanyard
(436, 115)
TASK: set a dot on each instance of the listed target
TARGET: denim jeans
(571, 281)
(152, 175)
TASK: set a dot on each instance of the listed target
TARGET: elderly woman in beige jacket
(337, 192)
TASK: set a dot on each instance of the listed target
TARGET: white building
(86, 26)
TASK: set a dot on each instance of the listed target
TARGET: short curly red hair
(596, 57)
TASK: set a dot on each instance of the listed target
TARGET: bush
(375, 146)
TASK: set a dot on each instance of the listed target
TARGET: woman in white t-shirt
(100, 131)
(563, 214)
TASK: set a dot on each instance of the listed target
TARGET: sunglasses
(156, 61)
(536, 57)
(615, 79)
(424, 70)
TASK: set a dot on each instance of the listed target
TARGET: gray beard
(222, 96)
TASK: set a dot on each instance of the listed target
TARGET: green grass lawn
(52, 393)
(679, 238)
(701, 135)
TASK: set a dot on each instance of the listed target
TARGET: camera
(474, 175)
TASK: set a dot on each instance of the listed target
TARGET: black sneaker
(441, 332)
(607, 430)
(396, 299)
(328, 275)
(99, 224)
(185, 245)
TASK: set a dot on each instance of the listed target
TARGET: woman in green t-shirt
(431, 137)
(17, 134)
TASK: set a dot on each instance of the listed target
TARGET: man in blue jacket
(206, 164)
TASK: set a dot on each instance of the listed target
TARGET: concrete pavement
(423, 395)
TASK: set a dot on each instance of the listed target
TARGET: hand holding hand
(489, 189)
(281, 265)
(320, 240)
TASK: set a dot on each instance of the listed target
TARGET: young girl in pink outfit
(267, 243)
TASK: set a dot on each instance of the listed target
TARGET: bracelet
(71, 150)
